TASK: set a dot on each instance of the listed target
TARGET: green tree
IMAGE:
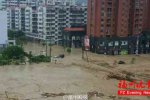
(69, 50)
(13, 52)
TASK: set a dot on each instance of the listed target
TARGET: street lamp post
(137, 45)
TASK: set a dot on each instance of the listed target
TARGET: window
(102, 9)
(101, 44)
(1, 46)
(147, 45)
(124, 43)
(102, 14)
(102, 30)
(110, 44)
(116, 43)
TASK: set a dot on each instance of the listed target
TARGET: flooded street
(29, 82)
(69, 76)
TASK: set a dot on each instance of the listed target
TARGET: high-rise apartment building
(147, 14)
(122, 17)
(137, 16)
(101, 17)
(118, 25)
(33, 3)
(46, 21)
(117, 17)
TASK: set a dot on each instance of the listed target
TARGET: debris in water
(54, 94)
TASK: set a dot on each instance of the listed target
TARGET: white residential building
(46, 21)
(3, 29)
(60, 2)
(28, 19)
(33, 3)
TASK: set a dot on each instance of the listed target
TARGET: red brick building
(147, 14)
(122, 16)
(107, 18)
(139, 10)
(101, 18)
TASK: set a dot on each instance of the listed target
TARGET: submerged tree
(13, 52)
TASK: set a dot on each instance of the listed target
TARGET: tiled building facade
(46, 22)
(117, 17)
(116, 25)
(32, 3)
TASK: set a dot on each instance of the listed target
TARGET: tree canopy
(13, 52)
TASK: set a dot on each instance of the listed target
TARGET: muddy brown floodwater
(70, 76)
(30, 81)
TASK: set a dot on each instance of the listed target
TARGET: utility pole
(82, 47)
(50, 49)
(46, 47)
(137, 45)
(50, 45)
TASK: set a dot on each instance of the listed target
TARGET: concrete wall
(3, 27)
